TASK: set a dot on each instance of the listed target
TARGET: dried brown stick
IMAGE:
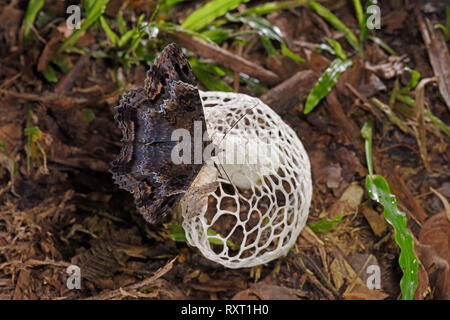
(438, 54)
(309, 263)
(158, 274)
(44, 97)
(299, 264)
(377, 113)
(290, 92)
(67, 81)
(347, 124)
(225, 57)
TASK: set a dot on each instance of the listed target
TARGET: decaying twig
(225, 57)
(438, 54)
(291, 91)
(158, 274)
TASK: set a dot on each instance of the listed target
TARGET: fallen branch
(290, 92)
(115, 293)
(225, 57)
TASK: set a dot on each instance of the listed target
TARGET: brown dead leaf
(350, 163)
(389, 68)
(371, 85)
(10, 19)
(352, 75)
(434, 252)
(361, 292)
(48, 51)
(423, 285)
(394, 20)
(333, 174)
(376, 220)
(25, 286)
(444, 202)
(349, 201)
(264, 291)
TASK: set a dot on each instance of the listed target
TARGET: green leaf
(359, 11)
(269, 47)
(216, 238)
(254, 84)
(208, 74)
(270, 7)
(340, 53)
(261, 25)
(435, 120)
(122, 23)
(339, 25)
(218, 35)
(383, 45)
(326, 83)
(177, 232)
(99, 54)
(49, 74)
(364, 29)
(392, 116)
(111, 34)
(211, 82)
(415, 77)
(170, 27)
(445, 29)
(63, 63)
(366, 133)
(88, 114)
(127, 37)
(94, 10)
(288, 53)
(208, 13)
(325, 47)
(164, 6)
(378, 190)
(326, 225)
(32, 10)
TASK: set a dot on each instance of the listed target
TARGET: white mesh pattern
(258, 217)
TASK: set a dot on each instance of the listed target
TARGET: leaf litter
(75, 215)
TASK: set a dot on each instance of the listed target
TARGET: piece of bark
(345, 123)
(48, 51)
(225, 57)
(291, 92)
(67, 81)
(438, 54)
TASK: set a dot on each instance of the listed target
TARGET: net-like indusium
(248, 206)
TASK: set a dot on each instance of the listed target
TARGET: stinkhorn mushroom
(250, 202)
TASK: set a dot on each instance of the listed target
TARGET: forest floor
(60, 207)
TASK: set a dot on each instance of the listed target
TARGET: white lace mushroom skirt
(247, 206)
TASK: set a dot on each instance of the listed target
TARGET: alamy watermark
(74, 20)
(74, 279)
(374, 20)
(251, 147)
(374, 280)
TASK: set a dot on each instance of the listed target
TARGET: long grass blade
(32, 10)
(94, 10)
(326, 83)
(339, 25)
(208, 13)
(378, 190)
